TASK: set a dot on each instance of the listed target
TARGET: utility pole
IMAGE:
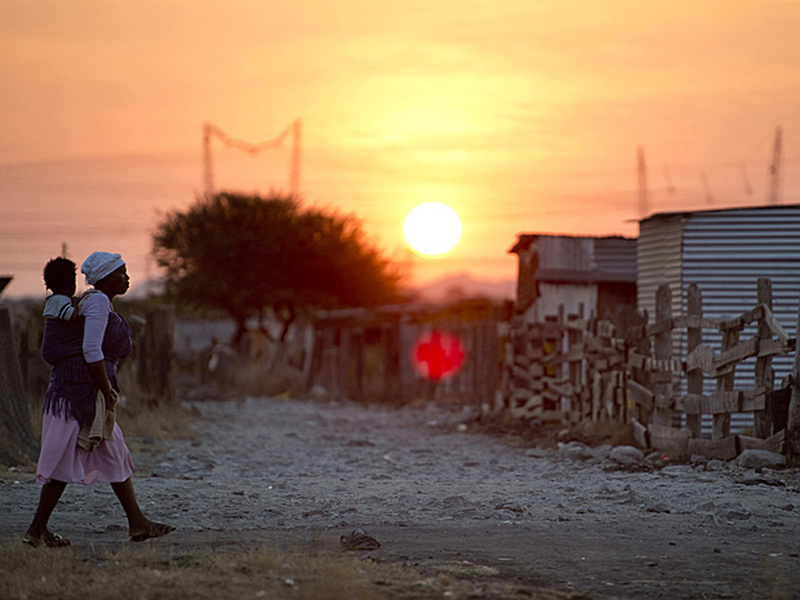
(774, 188)
(295, 164)
(210, 131)
(642, 175)
(208, 166)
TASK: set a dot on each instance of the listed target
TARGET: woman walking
(83, 386)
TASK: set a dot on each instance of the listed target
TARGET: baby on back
(59, 278)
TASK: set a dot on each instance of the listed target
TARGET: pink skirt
(61, 458)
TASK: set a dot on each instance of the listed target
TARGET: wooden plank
(669, 439)
(565, 388)
(523, 412)
(753, 400)
(701, 357)
(721, 424)
(723, 402)
(691, 404)
(768, 348)
(640, 394)
(793, 418)
(522, 360)
(636, 360)
(640, 434)
(605, 329)
(694, 340)
(520, 395)
(535, 370)
(660, 327)
(661, 377)
(663, 402)
(550, 416)
(737, 353)
(773, 443)
(691, 321)
(520, 373)
(773, 325)
(576, 325)
(549, 394)
(536, 353)
(724, 449)
(761, 348)
(738, 323)
(662, 351)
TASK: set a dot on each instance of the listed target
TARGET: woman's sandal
(48, 540)
(154, 530)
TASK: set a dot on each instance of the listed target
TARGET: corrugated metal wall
(616, 255)
(658, 261)
(724, 252)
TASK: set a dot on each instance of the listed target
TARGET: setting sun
(432, 228)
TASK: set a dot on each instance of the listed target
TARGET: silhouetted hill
(464, 285)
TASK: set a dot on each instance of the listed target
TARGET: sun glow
(432, 229)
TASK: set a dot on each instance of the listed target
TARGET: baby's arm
(75, 312)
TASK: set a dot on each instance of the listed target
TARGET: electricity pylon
(209, 130)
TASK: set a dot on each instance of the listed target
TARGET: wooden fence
(660, 404)
(146, 377)
(368, 355)
(566, 370)
(574, 370)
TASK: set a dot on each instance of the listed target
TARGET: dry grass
(152, 573)
(162, 422)
(155, 572)
(250, 378)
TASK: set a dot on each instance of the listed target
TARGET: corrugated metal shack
(724, 252)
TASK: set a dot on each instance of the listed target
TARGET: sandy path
(302, 473)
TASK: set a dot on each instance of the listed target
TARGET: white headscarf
(99, 265)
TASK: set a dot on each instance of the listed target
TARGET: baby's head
(59, 276)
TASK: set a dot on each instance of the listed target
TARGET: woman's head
(99, 265)
(106, 272)
(59, 276)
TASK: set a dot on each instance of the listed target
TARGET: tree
(246, 254)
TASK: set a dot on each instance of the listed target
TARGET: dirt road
(300, 474)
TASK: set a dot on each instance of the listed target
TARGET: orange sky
(523, 116)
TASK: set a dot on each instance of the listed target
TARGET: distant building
(582, 274)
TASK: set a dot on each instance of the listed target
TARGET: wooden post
(793, 422)
(343, 381)
(662, 380)
(359, 343)
(156, 358)
(313, 357)
(638, 341)
(762, 419)
(17, 441)
(391, 360)
(694, 338)
(721, 426)
(575, 367)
